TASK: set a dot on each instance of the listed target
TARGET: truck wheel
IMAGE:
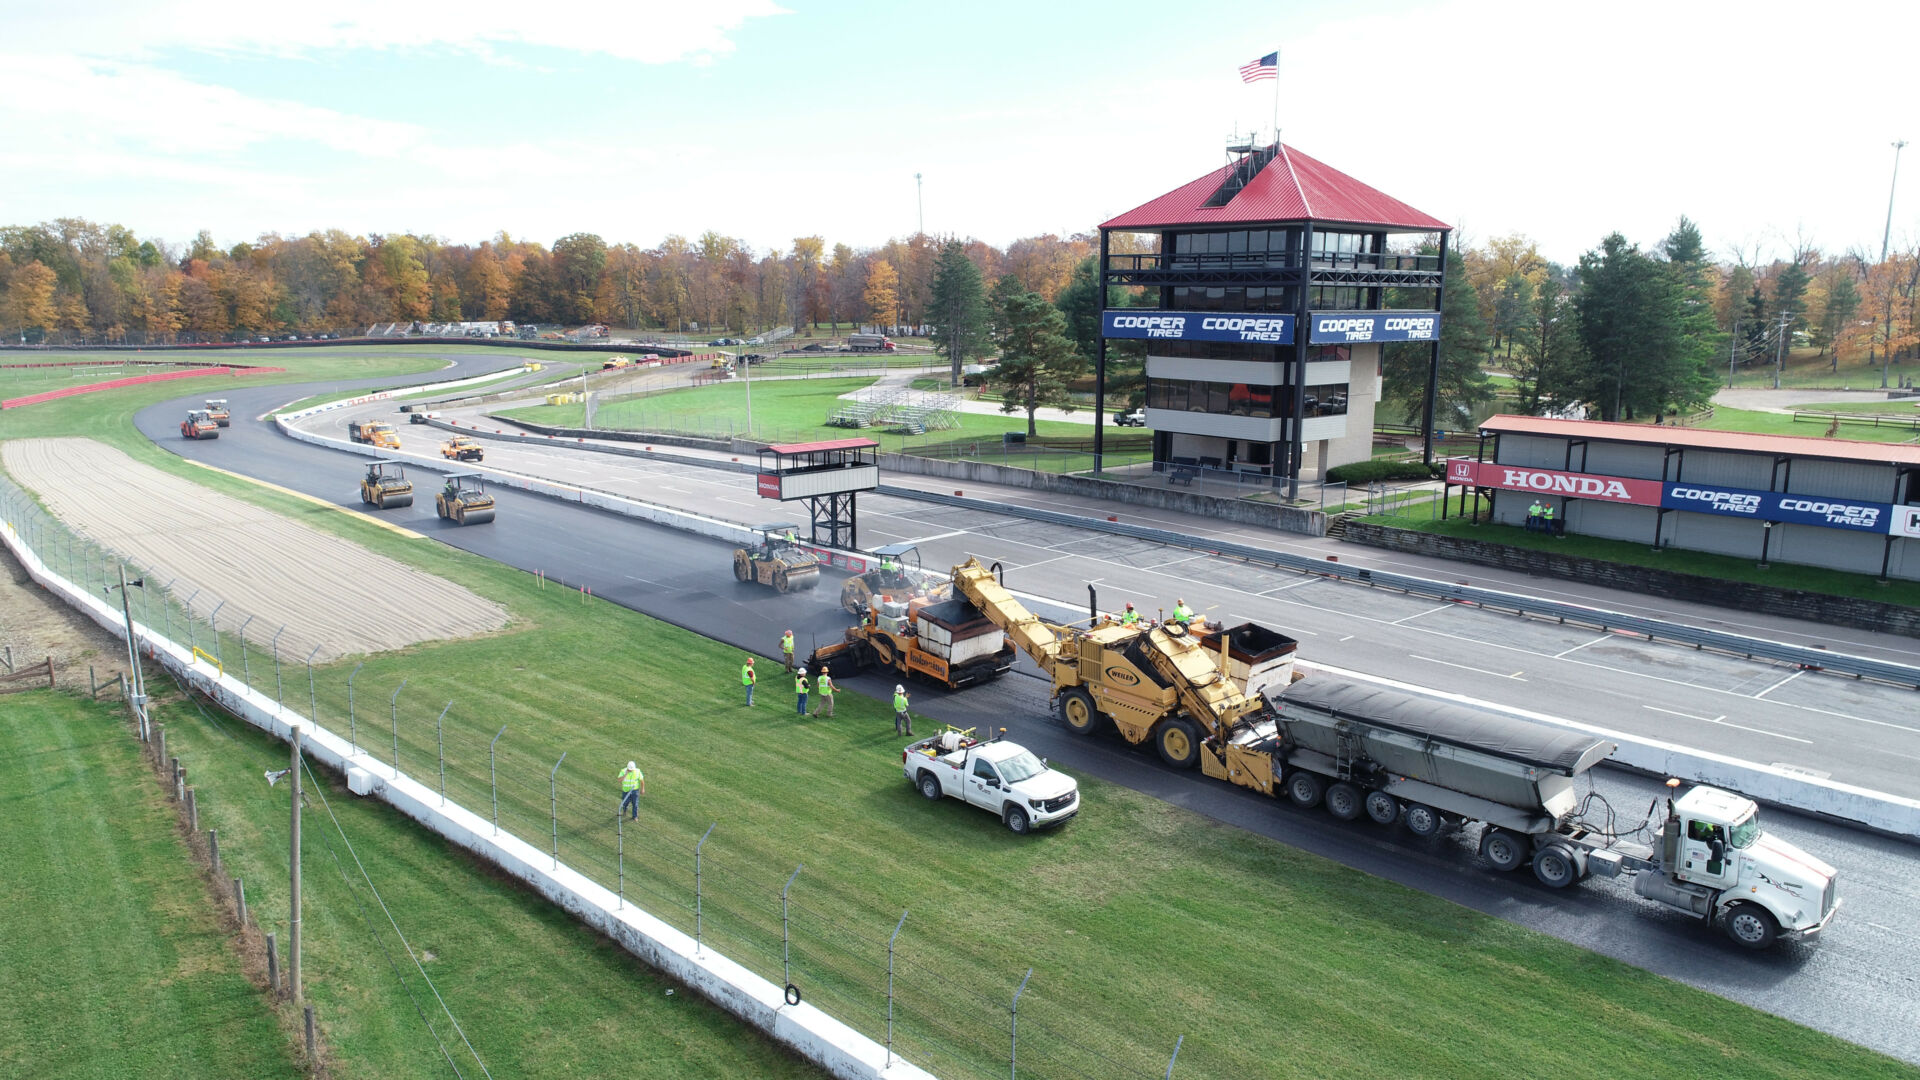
(1305, 788)
(1077, 709)
(1554, 867)
(929, 785)
(1383, 808)
(742, 570)
(1751, 925)
(1179, 743)
(1423, 821)
(1343, 801)
(1505, 850)
(1017, 820)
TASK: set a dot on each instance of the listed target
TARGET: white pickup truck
(992, 774)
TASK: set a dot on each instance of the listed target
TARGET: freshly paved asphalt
(1861, 982)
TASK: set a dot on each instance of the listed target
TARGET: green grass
(1769, 423)
(1143, 921)
(1724, 567)
(1805, 367)
(116, 963)
(789, 409)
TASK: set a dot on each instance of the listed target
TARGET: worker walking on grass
(800, 690)
(1182, 614)
(747, 679)
(633, 784)
(825, 688)
(786, 648)
(902, 723)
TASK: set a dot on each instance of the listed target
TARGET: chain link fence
(941, 1000)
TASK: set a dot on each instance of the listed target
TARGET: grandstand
(897, 409)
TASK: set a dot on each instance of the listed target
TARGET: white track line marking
(1780, 684)
(1482, 671)
(1763, 731)
(1688, 715)
(1582, 645)
(1850, 716)
(938, 536)
(1417, 614)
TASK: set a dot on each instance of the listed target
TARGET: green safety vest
(799, 684)
(1183, 614)
(630, 779)
(1547, 512)
(786, 644)
(746, 675)
(825, 687)
(1128, 618)
(1534, 510)
(899, 703)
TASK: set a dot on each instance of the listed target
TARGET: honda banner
(768, 484)
(1569, 485)
(1906, 521)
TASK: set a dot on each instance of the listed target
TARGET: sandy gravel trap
(327, 591)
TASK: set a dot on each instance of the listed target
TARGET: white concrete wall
(835, 1047)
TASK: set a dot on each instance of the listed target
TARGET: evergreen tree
(1037, 359)
(1843, 302)
(1550, 361)
(1462, 385)
(958, 310)
(1640, 322)
(1790, 296)
(1080, 303)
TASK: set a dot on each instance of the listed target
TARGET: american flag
(1263, 68)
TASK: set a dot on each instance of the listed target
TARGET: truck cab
(1765, 887)
(1001, 777)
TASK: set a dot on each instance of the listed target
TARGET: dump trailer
(1170, 684)
(373, 433)
(217, 408)
(464, 501)
(947, 642)
(199, 425)
(1367, 750)
(777, 560)
(896, 575)
(386, 485)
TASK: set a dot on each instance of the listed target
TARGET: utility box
(360, 781)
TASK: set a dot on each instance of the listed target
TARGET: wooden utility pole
(293, 922)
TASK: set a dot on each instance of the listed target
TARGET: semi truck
(1362, 749)
(869, 343)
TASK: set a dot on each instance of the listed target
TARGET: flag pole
(1276, 97)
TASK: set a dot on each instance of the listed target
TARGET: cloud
(646, 31)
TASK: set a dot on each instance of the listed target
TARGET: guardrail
(1859, 667)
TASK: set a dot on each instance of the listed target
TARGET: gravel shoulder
(328, 592)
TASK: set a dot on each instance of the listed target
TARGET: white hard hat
(899, 689)
(631, 765)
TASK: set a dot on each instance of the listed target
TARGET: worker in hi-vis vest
(747, 679)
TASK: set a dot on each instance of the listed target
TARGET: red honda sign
(768, 485)
(1569, 485)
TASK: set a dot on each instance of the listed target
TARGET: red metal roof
(1293, 187)
(830, 444)
(1807, 446)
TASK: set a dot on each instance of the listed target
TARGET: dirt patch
(327, 591)
(35, 625)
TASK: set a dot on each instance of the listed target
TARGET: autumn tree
(958, 309)
(1038, 361)
(1462, 385)
(30, 299)
(882, 293)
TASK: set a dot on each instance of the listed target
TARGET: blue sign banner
(1198, 326)
(1341, 327)
(1851, 514)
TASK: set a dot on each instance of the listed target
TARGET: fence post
(697, 905)
(440, 741)
(313, 700)
(352, 745)
(1013, 1029)
(213, 622)
(890, 941)
(1175, 1057)
(246, 669)
(393, 705)
(161, 745)
(309, 1033)
(553, 793)
(278, 698)
(786, 939)
(493, 779)
(193, 812)
(273, 959)
(213, 846)
(240, 900)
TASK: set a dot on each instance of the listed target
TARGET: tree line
(71, 280)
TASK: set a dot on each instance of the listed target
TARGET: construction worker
(1182, 614)
(1546, 519)
(747, 679)
(888, 566)
(786, 648)
(800, 690)
(902, 722)
(792, 539)
(825, 688)
(1129, 617)
(1533, 517)
(633, 784)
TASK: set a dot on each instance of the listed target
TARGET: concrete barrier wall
(404, 391)
(1765, 783)
(1793, 603)
(835, 1047)
(1264, 515)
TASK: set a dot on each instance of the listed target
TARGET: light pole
(138, 696)
(1887, 235)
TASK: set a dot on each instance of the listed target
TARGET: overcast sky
(768, 119)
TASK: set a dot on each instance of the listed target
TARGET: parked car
(1131, 418)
